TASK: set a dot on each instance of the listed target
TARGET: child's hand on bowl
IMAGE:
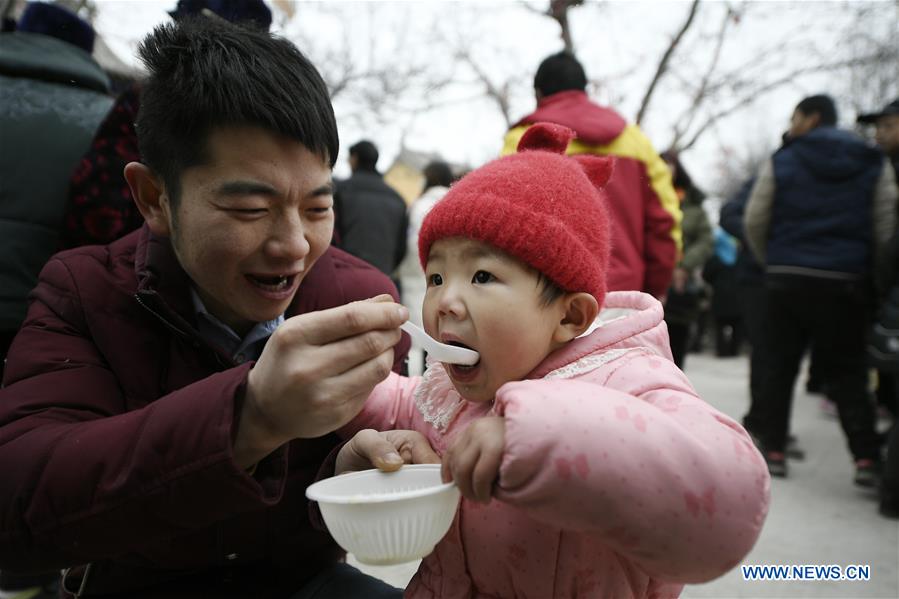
(473, 460)
(385, 451)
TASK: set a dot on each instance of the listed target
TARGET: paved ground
(817, 516)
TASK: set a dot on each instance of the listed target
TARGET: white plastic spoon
(441, 351)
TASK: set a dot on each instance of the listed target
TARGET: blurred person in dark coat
(886, 134)
(371, 215)
(720, 271)
(53, 95)
(818, 217)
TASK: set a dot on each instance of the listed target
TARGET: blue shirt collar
(219, 334)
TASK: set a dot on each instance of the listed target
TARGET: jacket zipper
(162, 318)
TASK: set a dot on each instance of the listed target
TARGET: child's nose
(451, 302)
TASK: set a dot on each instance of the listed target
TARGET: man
(371, 215)
(886, 132)
(817, 218)
(644, 207)
(156, 435)
(52, 97)
(887, 136)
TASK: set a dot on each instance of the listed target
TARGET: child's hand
(386, 451)
(473, 460)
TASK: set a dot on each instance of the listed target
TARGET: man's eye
(482, 276)
(319, 211)
(435, 280)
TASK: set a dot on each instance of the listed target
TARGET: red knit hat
(540, 206)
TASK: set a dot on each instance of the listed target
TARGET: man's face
(481, 298)
(251, 223)
(887, 133)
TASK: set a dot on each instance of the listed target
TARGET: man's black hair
(438, 174)
(560, 72)
(366, 154)
(207, 73)
(822, 105)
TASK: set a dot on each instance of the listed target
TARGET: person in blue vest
(818, 218)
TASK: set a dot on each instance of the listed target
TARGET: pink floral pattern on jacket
(617, 479)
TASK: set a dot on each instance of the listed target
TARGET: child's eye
(482, 276)
(435, 280)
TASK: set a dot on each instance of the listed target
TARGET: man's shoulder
(630, 144)
(89, 280)
(89, 265)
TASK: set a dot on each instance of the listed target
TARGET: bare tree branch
(666, 57)
(753, 94)
(700, 94)
(499, 93)
(558, 10)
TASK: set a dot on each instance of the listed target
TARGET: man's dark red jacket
(116, 424)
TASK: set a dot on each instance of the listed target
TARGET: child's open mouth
(460, 372)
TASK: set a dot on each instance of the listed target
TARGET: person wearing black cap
(887, 136)
(886, 133)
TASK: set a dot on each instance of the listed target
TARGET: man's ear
(150, 196)
(580, 310)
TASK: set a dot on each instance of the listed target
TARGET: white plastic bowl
(387, 517)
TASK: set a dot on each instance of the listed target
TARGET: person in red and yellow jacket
(645, 211)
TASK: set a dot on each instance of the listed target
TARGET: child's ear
(150, 196)
(580, 310)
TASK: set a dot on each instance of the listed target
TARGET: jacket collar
(163, 287)
(159, 271)
(628, 317)
(593, 124)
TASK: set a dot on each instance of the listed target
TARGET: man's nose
(287, 241)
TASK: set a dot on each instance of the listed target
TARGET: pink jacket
(617, 480)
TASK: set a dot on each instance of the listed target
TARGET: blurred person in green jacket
(682, 307)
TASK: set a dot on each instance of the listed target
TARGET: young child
(587, 463)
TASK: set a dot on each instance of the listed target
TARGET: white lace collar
(439, 403)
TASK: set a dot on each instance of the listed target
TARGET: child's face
(484, 299)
